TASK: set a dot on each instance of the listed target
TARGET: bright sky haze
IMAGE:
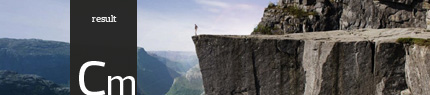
(40, 19)
(169, 24)
(162, 25)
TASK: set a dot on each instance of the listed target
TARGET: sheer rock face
(359, 62)
(12, 83)
(325, 15)
(417, 65)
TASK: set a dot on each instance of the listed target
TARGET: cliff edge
(344, 62)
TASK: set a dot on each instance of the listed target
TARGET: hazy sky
(41, 19)
(169, 24)
(161, 25)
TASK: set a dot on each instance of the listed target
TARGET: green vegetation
(183, 86)
(153, 76)
(293, 10)
(34, 47)
(418, 41)
(48, 59)
(263, 30)
(298, 12)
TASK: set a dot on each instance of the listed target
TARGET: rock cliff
(343, 62)
(296, 16)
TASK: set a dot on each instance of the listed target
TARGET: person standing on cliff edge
(195, 27)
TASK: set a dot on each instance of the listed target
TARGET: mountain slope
(180, 61)
(49, 59)
(176, 66)
(186, 63)
(153, 77)
(189, 84)
(12, 83)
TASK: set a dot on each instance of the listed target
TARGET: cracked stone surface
(344, 62)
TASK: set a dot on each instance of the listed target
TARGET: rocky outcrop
(12, 83)
(356, 62)
(296, 16)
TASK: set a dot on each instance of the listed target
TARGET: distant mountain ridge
(180, 61)
(49, 59)
(153, 76)
(190, 82)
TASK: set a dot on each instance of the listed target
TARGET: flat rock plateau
(342, 62)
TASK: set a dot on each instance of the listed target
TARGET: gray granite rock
(325, 15)
(357, 62)
(417, 69)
